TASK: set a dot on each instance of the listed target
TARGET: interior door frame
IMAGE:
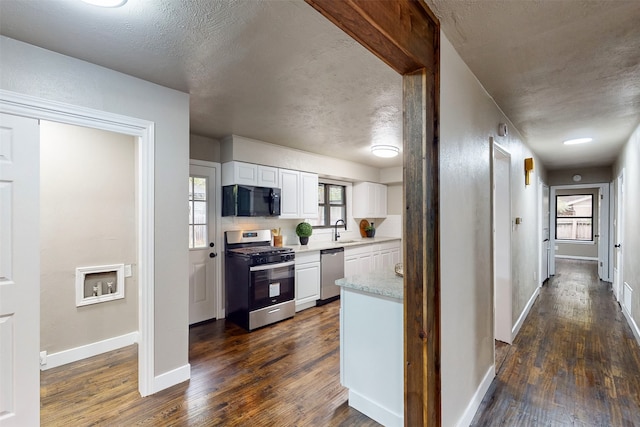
(544, 248)
(603, 226)
(217, 239)
(618, 237)
(501, 248)
(28, 106)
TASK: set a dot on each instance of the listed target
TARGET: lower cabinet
(367, 258)
(307, 278)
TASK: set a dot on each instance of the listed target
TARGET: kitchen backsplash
(388, 227)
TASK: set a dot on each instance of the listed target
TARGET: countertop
(318, 246)
(380, 282)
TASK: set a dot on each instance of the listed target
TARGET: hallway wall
(629, 160)
(468, 117)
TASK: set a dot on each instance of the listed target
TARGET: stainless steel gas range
(259, 279)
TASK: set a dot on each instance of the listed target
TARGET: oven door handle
(271, 266)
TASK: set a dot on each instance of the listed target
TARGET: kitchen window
(332, 205)
(574, 217)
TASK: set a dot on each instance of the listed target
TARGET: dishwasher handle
(331, 251)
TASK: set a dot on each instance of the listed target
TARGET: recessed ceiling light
(385, 150)
(106, 3)
(577, 141)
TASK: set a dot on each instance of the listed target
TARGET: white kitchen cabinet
(249, 174)
(268, 177)
(289, 197)
(368, 258)
(299, 197)
(239, 173)
(308, 195)
(369, 200)
(307, 279)
(358, 260)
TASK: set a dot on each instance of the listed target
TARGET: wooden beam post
(406, 35)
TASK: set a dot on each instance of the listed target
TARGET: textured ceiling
(278, 71)
(559, 69)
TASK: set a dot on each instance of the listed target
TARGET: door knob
(616, 246)
(213, 255)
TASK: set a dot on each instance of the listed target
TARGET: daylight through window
(574, 217)
(332, 205)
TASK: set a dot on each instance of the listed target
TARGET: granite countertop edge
(381, 282)
(318, 246)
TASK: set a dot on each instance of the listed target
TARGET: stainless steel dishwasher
(331, 269)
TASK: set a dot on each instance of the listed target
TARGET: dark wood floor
(283, 375)
(575, 361)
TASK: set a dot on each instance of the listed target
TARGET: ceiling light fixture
(106, 3)
(385, 150)
(577, 141)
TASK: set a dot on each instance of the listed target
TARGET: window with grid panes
(332, 205)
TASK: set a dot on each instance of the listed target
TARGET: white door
(619, 236)
(203, 251)
(19, 272)
(502, 244)
(544, 250)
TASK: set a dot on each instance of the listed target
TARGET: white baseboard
(374, 411)
(524, 314)
(79, 353)
(476, 400)
(171, 378)
(581, 258)
(632, 323)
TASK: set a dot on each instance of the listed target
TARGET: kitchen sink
(344, 241)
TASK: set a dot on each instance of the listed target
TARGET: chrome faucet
(336, 236)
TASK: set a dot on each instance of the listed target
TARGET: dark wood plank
(286, 374)
(574, 362)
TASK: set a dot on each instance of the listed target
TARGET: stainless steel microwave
(244, 200)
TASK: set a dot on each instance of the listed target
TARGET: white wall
(44, 74)
(87, 218)
(468, 117)
(629, 160)
(204, 148)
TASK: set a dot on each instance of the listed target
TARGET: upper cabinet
(249, 174)
(299, 198)
(369, 200)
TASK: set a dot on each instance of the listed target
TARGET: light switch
(127, 270)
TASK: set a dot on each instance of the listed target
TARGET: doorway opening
(87, 220)
(143, 133)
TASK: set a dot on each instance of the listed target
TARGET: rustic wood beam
(421, 250)
(406, 36)
(399, 32)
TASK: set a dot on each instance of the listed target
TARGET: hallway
(574, 362)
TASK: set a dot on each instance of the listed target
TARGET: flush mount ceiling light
(577, 141)
(106, 3)
(385, 150)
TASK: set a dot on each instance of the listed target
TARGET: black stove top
(261, 250)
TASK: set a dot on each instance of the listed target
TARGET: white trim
(476, 400)
(524, 314)
(633, 325)
(375, 411)
(583, 258)
(604, 220)
(71, 355)
(29, 106)
(576, 242)
(171, 378)
(220, 297)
